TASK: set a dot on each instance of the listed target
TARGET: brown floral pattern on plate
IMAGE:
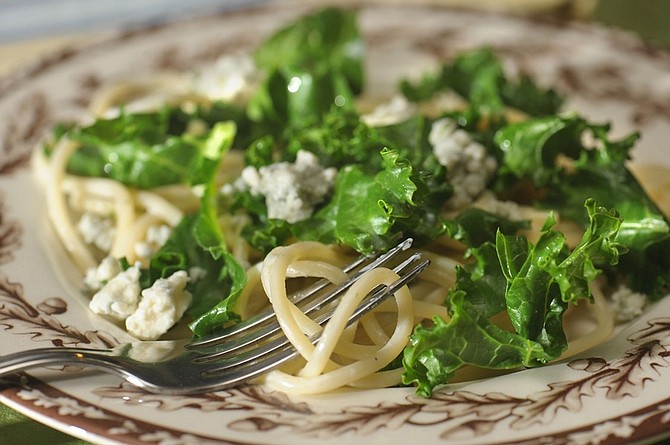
(605, 73)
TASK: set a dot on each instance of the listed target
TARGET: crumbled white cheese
(233, 78)
(196, 273)
(449, 101)
(397, 110)
(155, 237)
(158, 234)
(469, 166)
(143, 250)
(97, 230)
(509, 210)
(151, 351)
(291, 190)
(229, 189)
(119, 297)
(96, 277)
(161, 306)
(627, 304)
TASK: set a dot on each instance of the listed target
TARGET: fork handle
(44, 357)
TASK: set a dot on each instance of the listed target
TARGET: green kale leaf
(478, 76)
(532, 283)
(535, 151)
(311, 65)
(150, 149)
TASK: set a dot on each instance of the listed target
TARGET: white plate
(618, 393)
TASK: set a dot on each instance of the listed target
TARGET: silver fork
(228, 358)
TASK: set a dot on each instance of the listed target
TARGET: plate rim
(63, 56)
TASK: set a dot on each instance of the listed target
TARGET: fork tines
(261, 339)
(245, 364)
(264, 324)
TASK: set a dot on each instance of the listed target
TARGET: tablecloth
(17, 429)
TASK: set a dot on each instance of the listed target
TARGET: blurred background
(30, 28)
